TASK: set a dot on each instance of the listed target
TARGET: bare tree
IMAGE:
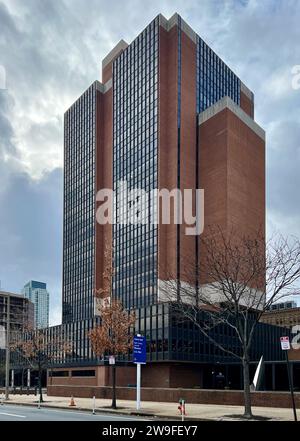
(38, 349)
(113, 336)
(236, 280)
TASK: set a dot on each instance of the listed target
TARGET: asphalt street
(27, 413)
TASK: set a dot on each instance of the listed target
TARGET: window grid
(135, 98)
(79, 209)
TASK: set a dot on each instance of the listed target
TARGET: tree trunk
(114, 400)
(40, 384)
(247, 393)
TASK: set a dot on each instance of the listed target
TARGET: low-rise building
(19, 313)
(285, 314)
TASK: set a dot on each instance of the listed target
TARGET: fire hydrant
(181, 407)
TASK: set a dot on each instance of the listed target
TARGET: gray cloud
(52, 51)
(30, 232)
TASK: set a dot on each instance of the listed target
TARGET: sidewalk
(159, 410)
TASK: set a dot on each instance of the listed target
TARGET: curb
(101, 410)
(110, 411)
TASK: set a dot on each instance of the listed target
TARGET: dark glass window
(84, 373)
(79, 216)
(59, 373)
(135, 98)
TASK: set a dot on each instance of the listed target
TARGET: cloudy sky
(51, 51)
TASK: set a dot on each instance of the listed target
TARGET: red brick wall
(246, 177)
(232, 174)
(213, 170)
(156, 375)
(187, 145)
(104, 162)
(167, 154)
(168, 141)
(185, 376)
(192, 396)
(247, 105)
(103, 377)
(107, 72)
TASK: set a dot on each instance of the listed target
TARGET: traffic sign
(285, 343)
(139, 350)
(111, 359)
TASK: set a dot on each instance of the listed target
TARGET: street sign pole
(291, 384)
(285, 346)
(138, 385)
(139, 358)
(7, 354)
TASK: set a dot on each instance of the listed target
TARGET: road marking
(12, 415)
(87, 413)
(78, 412)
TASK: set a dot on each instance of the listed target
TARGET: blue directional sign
(139, 350)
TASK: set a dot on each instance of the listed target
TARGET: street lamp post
(7, 355)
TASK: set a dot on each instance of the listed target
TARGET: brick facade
(170, 395)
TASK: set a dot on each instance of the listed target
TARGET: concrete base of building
(172, 395)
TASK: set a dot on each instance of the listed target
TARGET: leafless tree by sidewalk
(235, 281)
(38, 349)
(114, 336)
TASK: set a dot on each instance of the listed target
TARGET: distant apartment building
(16, 314)
(37, 293)
(16, 309)
(284, 314)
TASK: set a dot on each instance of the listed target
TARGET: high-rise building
(169, 113)
(81, 128)
(37, 293)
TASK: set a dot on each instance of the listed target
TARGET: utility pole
(291, 384)
(285, 346)
(7, 348)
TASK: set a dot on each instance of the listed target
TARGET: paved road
(10, 412)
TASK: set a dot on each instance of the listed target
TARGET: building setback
(169, 113)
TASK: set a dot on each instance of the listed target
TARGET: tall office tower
(37, 293)
(169, 114)
(86, 136)
(148, 124)
(79, 216)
